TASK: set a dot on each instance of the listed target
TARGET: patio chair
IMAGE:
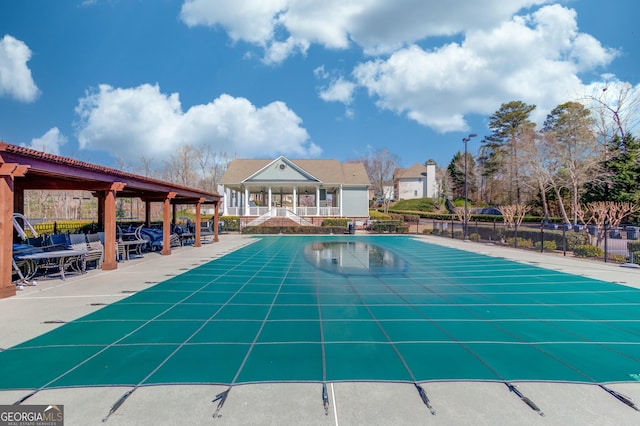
(57, 242)
(95, 249)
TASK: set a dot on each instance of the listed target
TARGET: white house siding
(411, 188)
(355, 202)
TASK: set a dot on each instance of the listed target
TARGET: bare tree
(611, 212)
(179, 168)
(513, 214)
(380, 166)
(212, 166)
(569, 132)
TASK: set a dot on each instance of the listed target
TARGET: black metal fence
(609, 244)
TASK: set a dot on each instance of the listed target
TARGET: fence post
(452, 226)
(564, 240)
(493, 236)
(606, 248)
(515, 235)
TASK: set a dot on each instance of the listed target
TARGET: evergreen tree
(501, 147)
(621, 172)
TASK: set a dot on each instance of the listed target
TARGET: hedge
(293, 230)
(588, 250)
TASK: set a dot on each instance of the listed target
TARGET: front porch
(304, 201)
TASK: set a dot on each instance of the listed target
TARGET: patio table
(62, 259)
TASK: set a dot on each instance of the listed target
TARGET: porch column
(317, 201)
(110, 243)
(246, 201)
(270, 202)
(225, 205)
(295, 200)
(8, 171)
(340, 200)
(166, 224)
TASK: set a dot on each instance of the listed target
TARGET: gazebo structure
(25, 169)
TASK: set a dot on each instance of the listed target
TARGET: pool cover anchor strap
(325, 399)
(221, 398)
(524, 399)
(117, 404)
(425, 398)
(620, 397)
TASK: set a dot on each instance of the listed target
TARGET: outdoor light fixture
(466, 209)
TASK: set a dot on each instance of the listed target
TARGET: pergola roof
(53, 172)
(23, 168)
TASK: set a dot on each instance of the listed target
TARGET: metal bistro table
(61, 259)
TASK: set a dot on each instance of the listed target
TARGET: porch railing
(300, 211)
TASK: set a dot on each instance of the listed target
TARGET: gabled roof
(325, 171)
(412, 172)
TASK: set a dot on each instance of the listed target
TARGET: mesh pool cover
(319, 309)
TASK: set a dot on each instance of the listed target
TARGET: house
(306, 191)
(418, 181)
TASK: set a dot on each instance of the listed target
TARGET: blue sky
(98, 80)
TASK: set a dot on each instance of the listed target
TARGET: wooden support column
(100, 196)
(166, 223)
(110, 244)
(147, 213)
(8, 172)
(196, 242)
(216, 219)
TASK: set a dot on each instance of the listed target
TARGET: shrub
(474, 237)
(389, 226)
(617, 258)
(548, 245)
(377, 215)
(587, 250)
(229, 223)
(522, 243)
(335, 222)
(633, 246)
(634, 257)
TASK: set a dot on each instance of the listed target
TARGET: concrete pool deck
(37, 310)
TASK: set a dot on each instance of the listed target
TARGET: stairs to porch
(280, 217)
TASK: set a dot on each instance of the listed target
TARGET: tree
(569, 131)
(212, 166)
(622, 172)
(456, 173)
(380, 166)
(501, 153)
(536, 159)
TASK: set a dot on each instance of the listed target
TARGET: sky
(113, 81)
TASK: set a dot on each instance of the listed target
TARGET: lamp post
(466, 209)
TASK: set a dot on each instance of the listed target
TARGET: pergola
(25, 169)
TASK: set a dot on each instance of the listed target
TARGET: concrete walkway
(37, 310)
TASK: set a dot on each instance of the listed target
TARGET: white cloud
(339, 90)
(535, 58)
(247, 20)
(142, 120)
(50, 142)
(15, 76)
(283, 27)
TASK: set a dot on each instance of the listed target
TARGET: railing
(619, 244)
(300, 211)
